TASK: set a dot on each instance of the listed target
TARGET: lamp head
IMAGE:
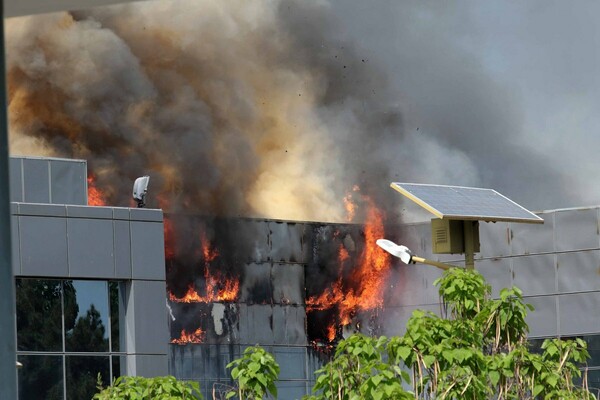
(402, 252)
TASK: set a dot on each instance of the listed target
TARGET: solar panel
(466, 203)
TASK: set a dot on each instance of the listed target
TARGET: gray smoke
(274, 108)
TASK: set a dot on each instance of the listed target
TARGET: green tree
(478, 351)
(140, 388)
(255, 373)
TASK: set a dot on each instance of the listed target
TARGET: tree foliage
(479, 351)
(255, 373)
(140, 388)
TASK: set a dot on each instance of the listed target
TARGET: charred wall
(235, 283)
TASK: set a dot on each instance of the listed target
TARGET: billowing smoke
(233, 108)
(272, 108)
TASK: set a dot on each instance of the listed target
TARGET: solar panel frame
(466, 203)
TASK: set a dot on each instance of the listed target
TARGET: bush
(140, 388)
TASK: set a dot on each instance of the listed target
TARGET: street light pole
(8, 371)
(404, 254)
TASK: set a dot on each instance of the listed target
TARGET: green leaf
(494, 377)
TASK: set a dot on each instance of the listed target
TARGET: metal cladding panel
(286, 241)
(15, 245)
(543, 321)
(89, 212)
(150, 317)
(576, 229)
(90, 244)
(535, 275)
(257, 287)
(15, 169)
(578, 271)
(292, 389)
(532, 239)
(257, 234)
(497, 272)
(146, 214)
(43, 246)
(495, 239)
(148, 365)
(420, 289)
(68, 182)
(288, 283)
(292, 362)
(579, 313)
(42, 210)
(36, 181)
(181, 363)
(289, 325)
(147, 250)
(122, 249)
(260, 325)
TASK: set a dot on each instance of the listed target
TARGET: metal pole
(8, 370)
(469, 244)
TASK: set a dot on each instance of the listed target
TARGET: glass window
(39, 315)
(86, 316)
(82, 375)
(41, 377)
(117, 309)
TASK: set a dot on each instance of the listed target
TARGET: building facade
(90, 283)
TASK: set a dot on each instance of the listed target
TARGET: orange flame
(95, 196)
(367, 283)
(218, 288)
(195, 337)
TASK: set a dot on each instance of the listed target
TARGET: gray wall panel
(15, 245)
(257, 287)
(146, 214)
(151, 332)
(543, 321)
(147, 247)
(122, 249)
(292, 362)
(535, 275)
(289, 325)
(494, 239)
(292, 389)
(68, 182)
(286, 241)
(43, 210)
(579, 313)
(89, 212)
(36, 180)
(147, 365)
(43, 246)
(497, 272)
(16, 179)
(415, 284)
(576, 229)
(260, 325)
(578, 271)
(90, 243)
(532, 238)
(288, 283)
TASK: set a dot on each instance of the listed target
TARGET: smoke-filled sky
(277, 108)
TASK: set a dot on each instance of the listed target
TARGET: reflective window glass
(86, 316)
(116, 309)
(41, 377)
(39, 315)
(82, 375)
(118, 362)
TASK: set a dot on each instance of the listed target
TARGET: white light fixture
(140, 189)
(404, 254)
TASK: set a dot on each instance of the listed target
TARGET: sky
(285, 105)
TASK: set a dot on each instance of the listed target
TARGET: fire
(218, 287)
(195, 337)
(364, 288)
(95, 196)
(169, 239)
